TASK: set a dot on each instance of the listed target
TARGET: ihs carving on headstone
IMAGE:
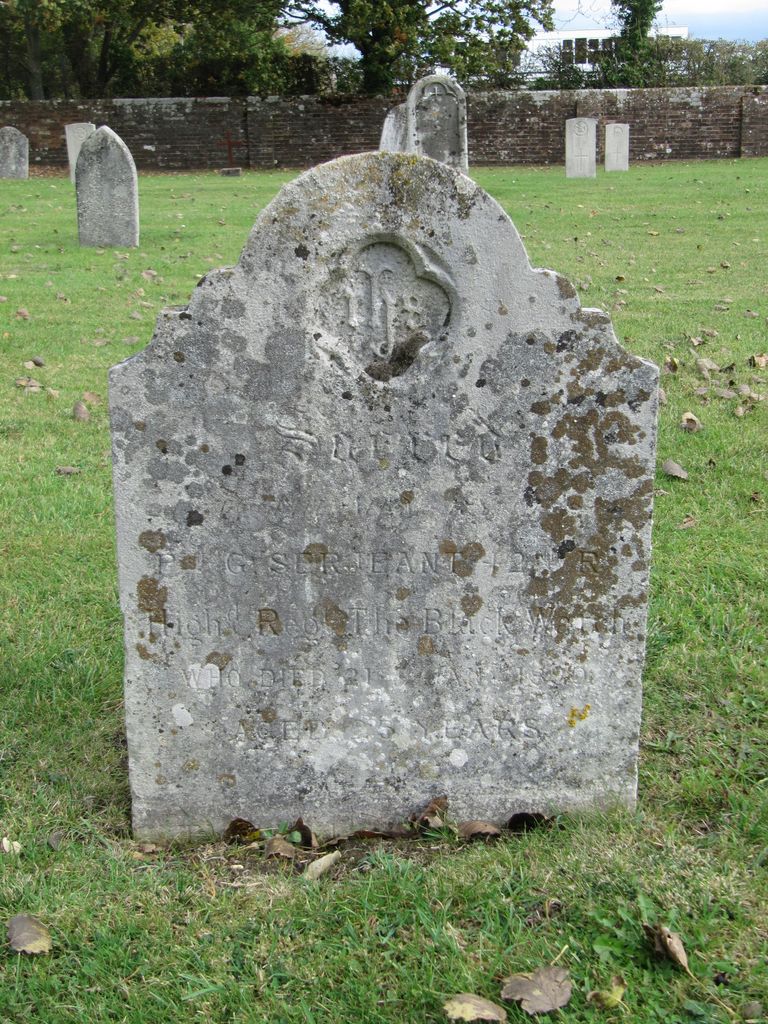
(383, 500)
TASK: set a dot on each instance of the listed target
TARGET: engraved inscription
(386, 308)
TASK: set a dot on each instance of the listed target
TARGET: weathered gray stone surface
(393, 134)
(580, 147)
(617, 147)
(107, 191)
(76, 134)
(383, 510)
(14, 153)
(432, 122)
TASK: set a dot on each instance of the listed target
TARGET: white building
(583, 44)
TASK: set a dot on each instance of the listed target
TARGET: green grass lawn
(678, 253)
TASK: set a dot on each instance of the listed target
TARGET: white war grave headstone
(14, 153)
(383, 504)
(617, 147)
(432, 122)
(107, 191)
(75, 134)
(580, 147)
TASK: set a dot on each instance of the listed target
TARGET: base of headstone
(231, 172)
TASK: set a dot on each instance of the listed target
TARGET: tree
(636, 18)
(398, 39)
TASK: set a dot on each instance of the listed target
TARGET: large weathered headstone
(617, 147)
(14, 153)
(383, 513)
(107, 191)
(76, 134)
(580, 147)
(432, 122)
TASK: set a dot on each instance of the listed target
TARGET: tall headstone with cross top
(383, 502)
(432, 122)
(617, 147)
(580, 147)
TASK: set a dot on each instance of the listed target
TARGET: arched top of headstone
(429, 238)
(8, 132)
(104, 148)
(14, 153)
(383, 501)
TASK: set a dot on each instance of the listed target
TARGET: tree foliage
(666, 62)
(90, 48)
(398, 40)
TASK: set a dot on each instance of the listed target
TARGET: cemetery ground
(677, 253)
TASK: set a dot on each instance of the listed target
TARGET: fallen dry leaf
(433, 815)
(751, 1011)
(466, 1006)
(612, 998)
(662, 396)
(546, 989)
(68, 470)
(759, 361)
(751, 314)
(724, 393)
(91, 398)
(672, 468)
(478, 830)
(241, 831)
(668, 944)
(10, 846)
(690, 422)
(671, 365)
(80, 412)
(27, 934)
(55, 840)
(278, 846)
(688, 522)
(319, 867)
(706, 366)
(740, 411)
(22, 314)
(29, 384)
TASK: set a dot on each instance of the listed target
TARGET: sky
(705, 19)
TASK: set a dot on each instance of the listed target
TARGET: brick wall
(504, 127)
